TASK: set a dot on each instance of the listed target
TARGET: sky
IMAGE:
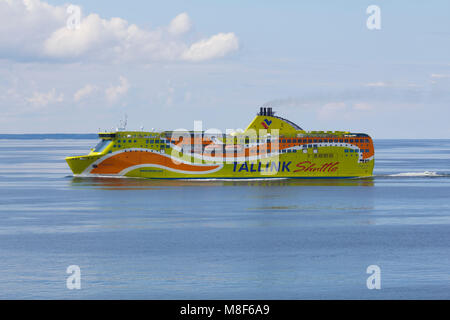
(166, 64)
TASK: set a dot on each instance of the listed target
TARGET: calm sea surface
(299, 239)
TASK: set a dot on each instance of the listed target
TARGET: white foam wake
(416, 174)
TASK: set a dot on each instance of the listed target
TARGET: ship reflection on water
(133, 183)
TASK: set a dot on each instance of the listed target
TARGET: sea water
(280, 239)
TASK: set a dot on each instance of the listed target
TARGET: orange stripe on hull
(124, 160)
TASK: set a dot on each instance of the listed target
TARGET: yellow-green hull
(337, 164)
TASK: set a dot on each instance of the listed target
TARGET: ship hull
(325, 162)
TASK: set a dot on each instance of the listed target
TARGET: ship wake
(419, 174)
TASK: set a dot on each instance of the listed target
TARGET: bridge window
(102, 145)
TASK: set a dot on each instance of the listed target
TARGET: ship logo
(266, 123)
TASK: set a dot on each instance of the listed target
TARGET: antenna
(123, 124)
(126, 122)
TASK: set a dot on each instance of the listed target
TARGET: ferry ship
(270, 147)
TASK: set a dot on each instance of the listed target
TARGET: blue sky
(166, 64)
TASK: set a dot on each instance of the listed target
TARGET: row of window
(283, 140)
(327, 140)
(268, 150)
(147, 141)
(351, 150)
(299, 140)
(323, 155)
(163, 146)
(137, 135)
(302, 140)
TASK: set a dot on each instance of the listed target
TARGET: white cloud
(342, 110)
(180, 24)
(187, 96)
(84, 92)
(113, 93)
(331, 110)
(170, 96)
(24, 26)
(215, 47)
(376, 84)
(439, 76)
(362, 106)
(42, 99)
(35, 30)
